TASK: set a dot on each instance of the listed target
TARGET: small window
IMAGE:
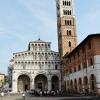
(65, 22)
(69, 3)
(69, 44)
(70, 12)
(84, 65)
(79, 67)
(74, 69)
(91, 61)
(70, 32)
(63, 2)
(67, 32)
(56, 67)
(70, 22)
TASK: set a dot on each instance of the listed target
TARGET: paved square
(19, 97)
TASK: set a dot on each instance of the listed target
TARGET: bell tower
(66, 26)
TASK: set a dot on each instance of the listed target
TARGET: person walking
(23, 95)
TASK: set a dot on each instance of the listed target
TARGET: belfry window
(56, 67)
(65, 22)
(66, 3)
(68, 32)
(67, 12)
(69, 3)
(70, 22)
(69, 44)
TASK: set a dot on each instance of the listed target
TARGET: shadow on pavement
(94, 98)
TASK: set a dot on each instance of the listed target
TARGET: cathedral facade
(36, 68)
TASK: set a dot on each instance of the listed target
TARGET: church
(36, 68)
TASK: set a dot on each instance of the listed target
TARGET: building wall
(83, 63)
(2, 80)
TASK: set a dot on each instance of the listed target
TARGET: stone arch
(68, 84)
(71, 84)
(80, 84)
(86, 87)
(92, 83)
(23, 83)
(25, 73)
(75, 84)
(41, 82)
(55, 82)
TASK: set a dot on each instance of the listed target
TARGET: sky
(22, 21)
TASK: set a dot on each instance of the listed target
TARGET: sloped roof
(83, 42)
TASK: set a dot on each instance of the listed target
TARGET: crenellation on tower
(66, 24)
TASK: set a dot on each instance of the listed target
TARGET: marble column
(14, 86)
(49, 85)
(32, 84)
(59, 85)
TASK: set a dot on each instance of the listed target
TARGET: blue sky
(22, 21)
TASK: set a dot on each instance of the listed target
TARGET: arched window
(70, 12)
(65, 22)
(92, 82)
(70, 22)
(69, 3)
(70, 32)
(56, 67)
(67, 32)
(69, 44)
(65, 3)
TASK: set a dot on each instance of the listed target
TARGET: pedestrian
(2, 95)
(23, 95)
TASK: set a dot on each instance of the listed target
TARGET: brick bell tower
(66, 26)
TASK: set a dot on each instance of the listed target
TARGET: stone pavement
(19, 97)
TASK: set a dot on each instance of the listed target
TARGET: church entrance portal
(23, 83)
(41, 82)
(55, 83)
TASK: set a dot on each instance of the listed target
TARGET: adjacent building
(2, 80)
(36, 68)
(82, 66)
